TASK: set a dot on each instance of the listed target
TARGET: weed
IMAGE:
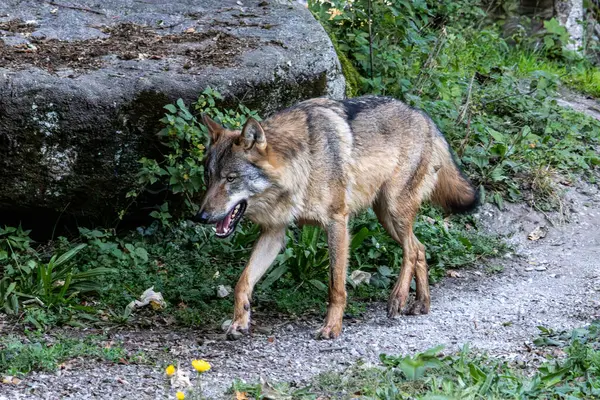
(466, 375)
(19, 356)
(28, 280)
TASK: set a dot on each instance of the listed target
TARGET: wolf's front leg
(337, 238)
(265, 250)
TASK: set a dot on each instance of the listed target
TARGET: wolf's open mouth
(226, 226)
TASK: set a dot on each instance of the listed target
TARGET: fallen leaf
(155, 299)
(223, 291)
(190, 30)
(429, 220)
(453, 273)
(10, 380)
(359, 277)
(181, 379)
(226, 324)
(241, 395)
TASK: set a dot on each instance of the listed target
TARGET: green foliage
(448, 245)
(555, 38)
(305, 258)
(28, 279)
(467, 375)
(19, 356)
(441, 57)
(185, 138)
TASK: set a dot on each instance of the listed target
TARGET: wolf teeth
(235, 211)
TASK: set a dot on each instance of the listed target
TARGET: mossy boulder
(82, 88)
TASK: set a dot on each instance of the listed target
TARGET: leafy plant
(18, 357)
(465, 375)
(185, 137)
(27, 279)
(306, 259)
(555, 38)
(450, 60)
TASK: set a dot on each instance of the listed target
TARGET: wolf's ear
(253, 135)
(214, 128)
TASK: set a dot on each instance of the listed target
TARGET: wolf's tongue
(223, 225)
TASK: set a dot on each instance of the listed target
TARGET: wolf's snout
(202, 217)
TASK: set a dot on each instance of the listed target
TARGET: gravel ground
(553, 282)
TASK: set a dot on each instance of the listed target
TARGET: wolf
(319, 162)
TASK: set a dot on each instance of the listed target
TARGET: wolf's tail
(452, 191)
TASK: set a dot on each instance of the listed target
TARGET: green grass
(465, 375)
(581, 76)
(20, 356)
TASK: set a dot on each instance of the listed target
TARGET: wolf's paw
(241, 322)
(237, 329)
(396, 304)
(330, 331)
(419, 307)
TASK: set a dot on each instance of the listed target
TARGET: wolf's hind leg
(265, 250)
(397, 217)
(422, 297)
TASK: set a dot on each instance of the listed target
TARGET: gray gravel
(552, 282)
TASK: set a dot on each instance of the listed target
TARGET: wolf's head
(232, 174)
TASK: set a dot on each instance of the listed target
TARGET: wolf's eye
(230, 178)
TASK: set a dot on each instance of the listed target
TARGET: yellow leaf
(241, 395)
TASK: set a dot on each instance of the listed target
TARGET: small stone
(226, 324)
(223, 291)
(265, 330)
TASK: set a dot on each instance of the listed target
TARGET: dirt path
(552, 282)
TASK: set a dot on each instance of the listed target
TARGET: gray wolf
(320, 162)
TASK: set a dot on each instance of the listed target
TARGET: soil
(17, 26)
(125, 41)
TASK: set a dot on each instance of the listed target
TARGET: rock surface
(82, 86)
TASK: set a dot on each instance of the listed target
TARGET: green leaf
(69, 254)
(360, 237)
(318, 284)
(171, 108)
(274, 276)
(142, 253)
(499, 137)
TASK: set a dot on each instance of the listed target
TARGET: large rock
(82, 86)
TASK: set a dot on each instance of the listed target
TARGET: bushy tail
(453, 191)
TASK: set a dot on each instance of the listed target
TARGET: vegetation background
(488, 76)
